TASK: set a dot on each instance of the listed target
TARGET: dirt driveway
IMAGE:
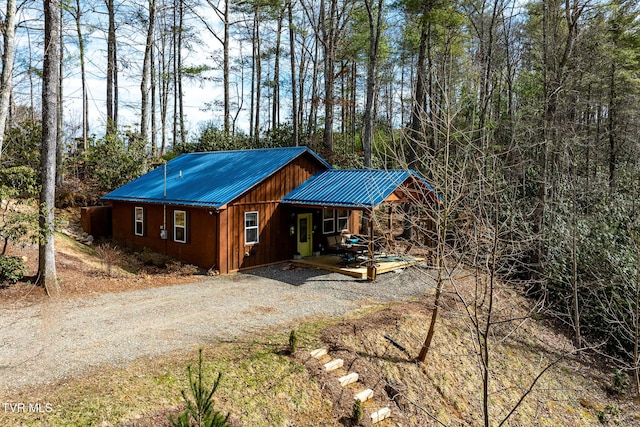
(47, 342)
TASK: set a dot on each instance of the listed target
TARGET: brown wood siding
(200, 248)
(354, 222)
(275, 243)
(218, 239)
(96, 220)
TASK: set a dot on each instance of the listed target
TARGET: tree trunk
(258, 70)
(112, 71)
(60, 105)
(77, 15)
(312, 126)
(292, 56)
(146, 73)
(152, 112)
(6, 79)
(46, 260)
(415, 133)
(176, 48)
(574, 260)
(174, 70)
(225, 77)
(328, 30)
(636, 352)
(612, 130)
(275, 108)
(374, 40)
(32, 108)
(180, 93)
(164, 72)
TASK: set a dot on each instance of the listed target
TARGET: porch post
(371, 271)
(223, 242)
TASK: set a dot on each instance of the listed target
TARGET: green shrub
(114, 161)
(620, 381)
(12, 268)
(609, 414)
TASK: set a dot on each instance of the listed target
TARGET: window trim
(345, 218)
(328, 220)
(137, 221)
(252, 227)
(176, 227)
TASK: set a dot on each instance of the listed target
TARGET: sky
(29, 51)
(197, 94)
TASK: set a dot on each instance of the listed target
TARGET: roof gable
(352, 188)
(210, 179)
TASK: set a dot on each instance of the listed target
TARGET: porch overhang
(361, 189)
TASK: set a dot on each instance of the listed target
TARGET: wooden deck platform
(334, 263)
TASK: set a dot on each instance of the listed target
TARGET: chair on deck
(347, 246)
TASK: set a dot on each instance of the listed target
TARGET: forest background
(524, 116)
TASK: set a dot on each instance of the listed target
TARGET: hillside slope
(447, 389)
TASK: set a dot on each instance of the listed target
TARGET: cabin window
(328, 221)
(138, 221)
(342, 219)
(251, 228)
(180, 226)
(334, 220)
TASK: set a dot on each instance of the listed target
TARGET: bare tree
(112, 70)
(312, 52)
(6, 79)
(450, 183)
(294, 89)
(178, 98)
(164, 76)
(374, 16)
(60, 106)
(77, 13)
(328, 33)
(223, 13)
(146, 71)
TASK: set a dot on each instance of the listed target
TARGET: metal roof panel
(210, 179)
(359, 188)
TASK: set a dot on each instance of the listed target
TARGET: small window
(180, 226)
(138, 221)
(251, 228)
(343, 219)
(328, 221)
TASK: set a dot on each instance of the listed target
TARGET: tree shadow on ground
(298, 276)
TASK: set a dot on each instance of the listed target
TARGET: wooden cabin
(233, 210)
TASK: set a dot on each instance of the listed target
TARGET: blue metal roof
(210, 179)
(353, 188)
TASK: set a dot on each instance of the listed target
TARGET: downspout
(164, 232)
(164, 196)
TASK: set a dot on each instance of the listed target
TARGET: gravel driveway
(46, 342)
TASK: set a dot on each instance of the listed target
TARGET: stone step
(364, 395)
(333, 365)
(348, 379)
(318, 353)
(380, 415)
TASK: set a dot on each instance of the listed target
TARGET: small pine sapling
(200, 410)
(293, 341)
(356, 414)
